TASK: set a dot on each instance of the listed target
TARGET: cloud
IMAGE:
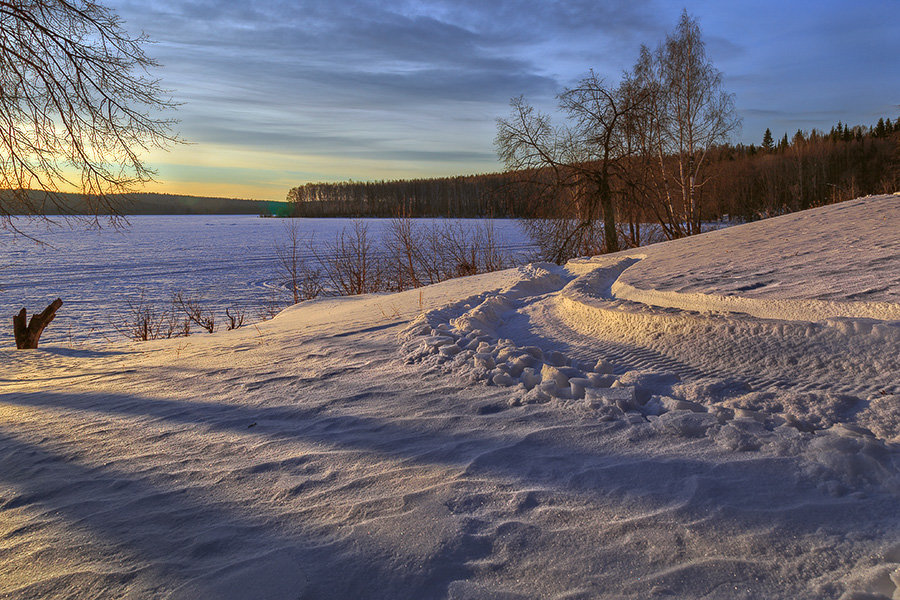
(415, 86)
(418, 84)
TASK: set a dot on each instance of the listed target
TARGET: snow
(523, 434)
(769, 261)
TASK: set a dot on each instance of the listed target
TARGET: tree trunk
(610, 235)
(27, 336)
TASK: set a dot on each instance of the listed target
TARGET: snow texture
(521, 434)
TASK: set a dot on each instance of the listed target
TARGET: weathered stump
(28, 336)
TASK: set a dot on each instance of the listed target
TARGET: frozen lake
(228, 260)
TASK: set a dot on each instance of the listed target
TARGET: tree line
(811, 169)
(465, 196)
(137, 203)
(745, 182)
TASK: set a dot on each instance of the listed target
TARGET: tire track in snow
(549, 331)
(581, 318)
(767, 355)
(812, 358)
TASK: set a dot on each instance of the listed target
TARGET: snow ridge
(766, 308)
(844, 440)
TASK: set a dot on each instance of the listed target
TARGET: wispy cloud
(416, 86)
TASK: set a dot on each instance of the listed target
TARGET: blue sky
(278, 93)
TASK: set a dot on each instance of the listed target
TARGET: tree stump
(27, 337)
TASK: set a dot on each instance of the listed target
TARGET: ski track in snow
(302, 459)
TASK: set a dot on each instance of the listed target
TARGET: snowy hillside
(715, 417)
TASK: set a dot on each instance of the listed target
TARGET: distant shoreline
(149, 203)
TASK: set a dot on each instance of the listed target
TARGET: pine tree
(880, 130)
(783, 144)
(768, 143)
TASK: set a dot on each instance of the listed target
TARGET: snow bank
(841, 254)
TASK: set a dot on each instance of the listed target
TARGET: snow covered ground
(607, 429)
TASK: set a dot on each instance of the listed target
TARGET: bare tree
(351, 264)
(420, 254)
(78, 107)
(193, 309)
(303, 280)
(235, 318)
(691, 115)
(406, 247)
(271, 306)
(599, 147)
(142, 321)
(576, 162)
(492, 257)
(646, 189)
(528, 142)
(467, 249)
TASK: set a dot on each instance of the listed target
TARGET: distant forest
(746, 182)
(461, 196)
(146, 204)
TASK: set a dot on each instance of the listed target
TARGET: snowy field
(629, 426)
(225, 260)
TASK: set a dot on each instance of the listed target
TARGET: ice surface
(227, 260)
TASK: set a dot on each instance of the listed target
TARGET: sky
(278, 93)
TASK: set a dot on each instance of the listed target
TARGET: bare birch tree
(648, 174)
(692, 114)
